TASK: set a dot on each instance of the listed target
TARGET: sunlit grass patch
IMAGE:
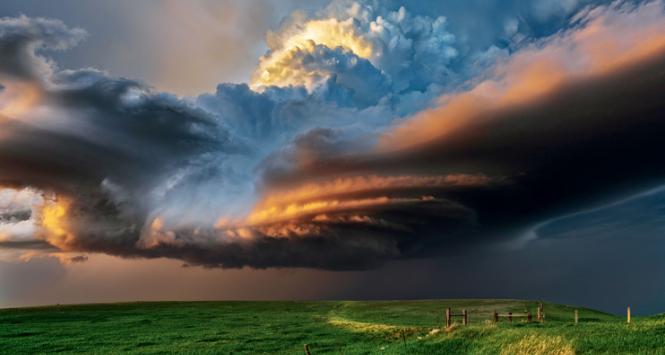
(364, 327)
(539, 344)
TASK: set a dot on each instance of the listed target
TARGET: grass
(339, 327)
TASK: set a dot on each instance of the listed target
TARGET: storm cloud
(359, 141)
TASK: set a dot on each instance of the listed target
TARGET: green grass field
(339, 327)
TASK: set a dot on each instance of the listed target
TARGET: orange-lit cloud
(314, 208)
(610, 38)
(360, 184)
(276, 213)
(319, 218)
(53, 219)
(280, 212)
(17, 98)
(157, 233)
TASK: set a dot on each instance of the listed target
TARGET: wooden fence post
(539, 315)
(307, 350)
(528, 317)
(510, 317)
(496, 317)
(577, 317)
(466, 317)
(628, 315)
(447, 317)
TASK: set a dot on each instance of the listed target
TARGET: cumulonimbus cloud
(298, 176)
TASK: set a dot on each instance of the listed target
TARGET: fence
(450, 315)
(540, 316)
(511, 315)
(496, 317)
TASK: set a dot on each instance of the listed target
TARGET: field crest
(350, 327)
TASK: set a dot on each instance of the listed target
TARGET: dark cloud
(138, 173)
(588, 142)
(15, 216)
(101, 141)
(343, 241)
(27, 245)
(23, 36)
(78, 259)
(637, 217)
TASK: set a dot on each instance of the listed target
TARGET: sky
(168, 150)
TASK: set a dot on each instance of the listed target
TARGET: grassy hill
(386, 327)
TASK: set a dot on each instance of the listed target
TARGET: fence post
(510, 317)
(307, 350)
(539, 315)
(447, 317)
(577, 317)
(496, 317)
(528, 317)
(466, 317)
(628, 315)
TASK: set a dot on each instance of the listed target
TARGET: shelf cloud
(367, 134)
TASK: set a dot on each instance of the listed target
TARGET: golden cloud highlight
(280, 68)
(53, 218)
(311, 218)
(361, 184)
(306, 210)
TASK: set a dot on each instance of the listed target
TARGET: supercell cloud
(367, 133)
